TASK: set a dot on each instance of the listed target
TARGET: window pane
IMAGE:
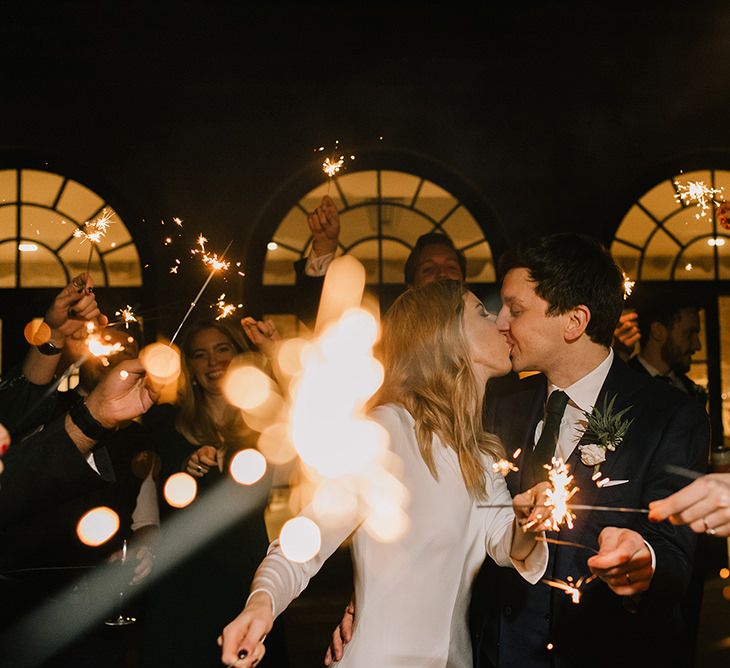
(41, 269)
(659, 201)
(116, 234)
(278, 267)
(722, 180)
(723, 255)
(76, 257)
(7, 264)
(660, 254)
(697, 263)
(434, 201)
(686, 227)
(462, 228)
(358, 186)
(635, 227)
(46, 225)
(8, 186)
(479, 264)
(402, 223)
(314, 198)
(294, 229)
(78, 202)
(123, 267)
(358, 223)
(39, 187)
(394, 258)
(367, 253)
(626, 257)
(8, 215)
(398, 184)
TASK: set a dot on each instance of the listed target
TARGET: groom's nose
(502, 320)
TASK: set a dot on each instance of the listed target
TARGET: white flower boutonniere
(606, 429)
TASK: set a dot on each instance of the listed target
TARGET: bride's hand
(242, 641)
(530, 508)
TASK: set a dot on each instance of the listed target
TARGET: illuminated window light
(272, 245)
(717, 241)
(27, 247)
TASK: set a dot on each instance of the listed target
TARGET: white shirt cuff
(268, 593)
(317, 264)
(653, 557)
(90, 461)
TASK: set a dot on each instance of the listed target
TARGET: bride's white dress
(412, 595)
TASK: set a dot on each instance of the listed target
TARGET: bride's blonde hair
(427, 370)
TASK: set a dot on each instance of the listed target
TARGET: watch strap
(86, 422)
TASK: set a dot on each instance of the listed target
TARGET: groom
(562, 296)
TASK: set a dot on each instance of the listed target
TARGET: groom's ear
(576, 322)
(658, 332)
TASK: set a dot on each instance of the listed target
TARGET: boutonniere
(606, 429)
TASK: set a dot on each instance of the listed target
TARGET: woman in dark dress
(200, 435)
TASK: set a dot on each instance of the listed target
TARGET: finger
(677, 502)
(314, 224)
(206, 461)
(328, 657)
(250, 644)
(694, 513)
(716, 523)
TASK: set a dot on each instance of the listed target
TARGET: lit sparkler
(102, 350)
(628, 286)
(558, 496)
(224, 310)
(94, 231)
(332, 167)
(504, 466)
(697, 193)
(126, 315)
(571, 587)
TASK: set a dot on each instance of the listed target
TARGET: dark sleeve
(24, 405)
(47, 468)
(308, 291)
(685, 443)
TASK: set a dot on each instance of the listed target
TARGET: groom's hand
(623, 561)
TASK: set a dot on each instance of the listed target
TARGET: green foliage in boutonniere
(605, 430)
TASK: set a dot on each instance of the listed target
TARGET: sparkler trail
(680, 470)
(566, 543)
(201, 241)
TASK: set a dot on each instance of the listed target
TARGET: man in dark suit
(670, 336)
(562, 296)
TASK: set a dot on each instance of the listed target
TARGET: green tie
(545, 446)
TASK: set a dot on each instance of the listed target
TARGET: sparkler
(628, 286)
(93, 232)
(571, 587)
(504, 466)
(127, 316)
(216, 265)
(697, 193)
(558, 497)
(224, 310)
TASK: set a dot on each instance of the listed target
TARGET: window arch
(662, 238)
(39, 212)
(382, 213)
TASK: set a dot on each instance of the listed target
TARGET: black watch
(86, 422)
(49, 349)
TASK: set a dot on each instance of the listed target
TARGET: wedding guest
(439, 347)
(703, 505)
(200, 435)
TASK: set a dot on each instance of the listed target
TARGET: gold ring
(628, 579)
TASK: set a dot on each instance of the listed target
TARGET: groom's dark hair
(570, 270)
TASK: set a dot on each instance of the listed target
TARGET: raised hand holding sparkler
(324, 222)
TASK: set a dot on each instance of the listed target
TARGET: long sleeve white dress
(413, 594)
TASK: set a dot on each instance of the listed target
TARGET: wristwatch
(86, 422)
(49, 349)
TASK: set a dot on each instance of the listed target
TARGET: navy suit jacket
(515, 622)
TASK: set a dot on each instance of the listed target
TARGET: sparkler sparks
(504, 466)
(127, 315)
(571, 587)
(628, 286)
(697, 193)
(332, 167)
(95, 230)
(102, 350)
(562, 491)
(224, 310)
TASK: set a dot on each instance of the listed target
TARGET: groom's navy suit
(515, 622)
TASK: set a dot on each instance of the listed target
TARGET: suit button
(507, 611)
(547, 617)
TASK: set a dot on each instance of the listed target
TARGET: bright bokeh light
(97, 526)
(290, 356)
(334, 503)
(180, 490)
(161, 362)
(248, 466)
(343, 288)
(37, 332)
(275, 444)
(725, 573)
(386, 525)
(246, 387)
(300, 539)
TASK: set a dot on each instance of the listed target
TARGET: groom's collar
(584, 392)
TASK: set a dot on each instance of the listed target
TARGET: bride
(439, 348)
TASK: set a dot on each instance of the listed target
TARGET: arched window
(39, 212)
(664, 238)
(382, 213)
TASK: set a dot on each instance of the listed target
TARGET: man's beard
(675, 358)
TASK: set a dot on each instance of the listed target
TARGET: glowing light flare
(561, 491)
(570, 587)
(180, 490)
(161, 362)
(343, 288)
(387, 526)
(724, 573)
(127, 315)
(247, 387)
(123, 374)
(224, 310)
(97, 526)
(331, 166)
(290, 356)
(334, 503)
(94, 231)
(628, 285)
(698, 194)
(37, 332)
(248, 466)
(102, 350)
(503, 466)
(300, 539)
(214, 262)
(275, 444)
